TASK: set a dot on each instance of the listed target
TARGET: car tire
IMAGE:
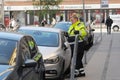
(91, 41)
(62, 77)
(91, 44)
(68, 70)
(42, 73)
(86, 47)
(116, 28)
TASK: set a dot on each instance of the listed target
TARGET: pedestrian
(44, 22)
(108, 23)
(78, 26)
(53, 22)
(13, 24)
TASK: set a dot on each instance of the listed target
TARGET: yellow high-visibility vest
(79, 26)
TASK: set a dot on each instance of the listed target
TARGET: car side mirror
(29, 63)
(65, 45)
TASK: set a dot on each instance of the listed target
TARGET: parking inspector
(78, 27)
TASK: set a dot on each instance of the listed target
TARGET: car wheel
(68, 70)
(91, 44)
(86, 47)
(115, 28)
(61, 77)
(42, 73)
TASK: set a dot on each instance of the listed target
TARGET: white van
(116, 22)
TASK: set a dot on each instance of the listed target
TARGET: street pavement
(105, 61)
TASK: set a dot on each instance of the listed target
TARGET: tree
(47, 6)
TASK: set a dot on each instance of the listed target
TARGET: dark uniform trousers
(80, 53)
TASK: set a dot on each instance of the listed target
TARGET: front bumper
(53, 70)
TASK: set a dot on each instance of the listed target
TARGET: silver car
(55, 48)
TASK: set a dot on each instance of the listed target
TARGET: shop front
(27, 15)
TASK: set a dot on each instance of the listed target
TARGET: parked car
(116, 22)
(20, 58)
(64, 25)
(54, 47)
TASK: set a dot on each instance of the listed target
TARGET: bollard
(85, 57)
(73, 63)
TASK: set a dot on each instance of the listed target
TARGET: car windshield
(63, 26)
(7, 48)
(43, 38)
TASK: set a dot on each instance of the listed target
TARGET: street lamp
(84, 18)
(84, 13)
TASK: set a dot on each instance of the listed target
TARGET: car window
(43, 38)
(7, 49)
(63, 26)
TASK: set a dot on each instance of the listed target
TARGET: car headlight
(51, 60)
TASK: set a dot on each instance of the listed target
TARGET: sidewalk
(105, 63)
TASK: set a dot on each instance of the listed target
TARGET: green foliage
(30, 12)
(47, 6)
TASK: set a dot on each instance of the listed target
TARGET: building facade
(92, 10)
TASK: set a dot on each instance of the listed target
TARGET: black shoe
(80, 75)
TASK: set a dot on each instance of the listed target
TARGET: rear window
(63, 26)
(43, 38)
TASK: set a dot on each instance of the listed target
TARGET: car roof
(64, 22)
(41, 28)
(64, 25)
(11, 35)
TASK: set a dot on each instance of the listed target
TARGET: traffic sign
(104, 4)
